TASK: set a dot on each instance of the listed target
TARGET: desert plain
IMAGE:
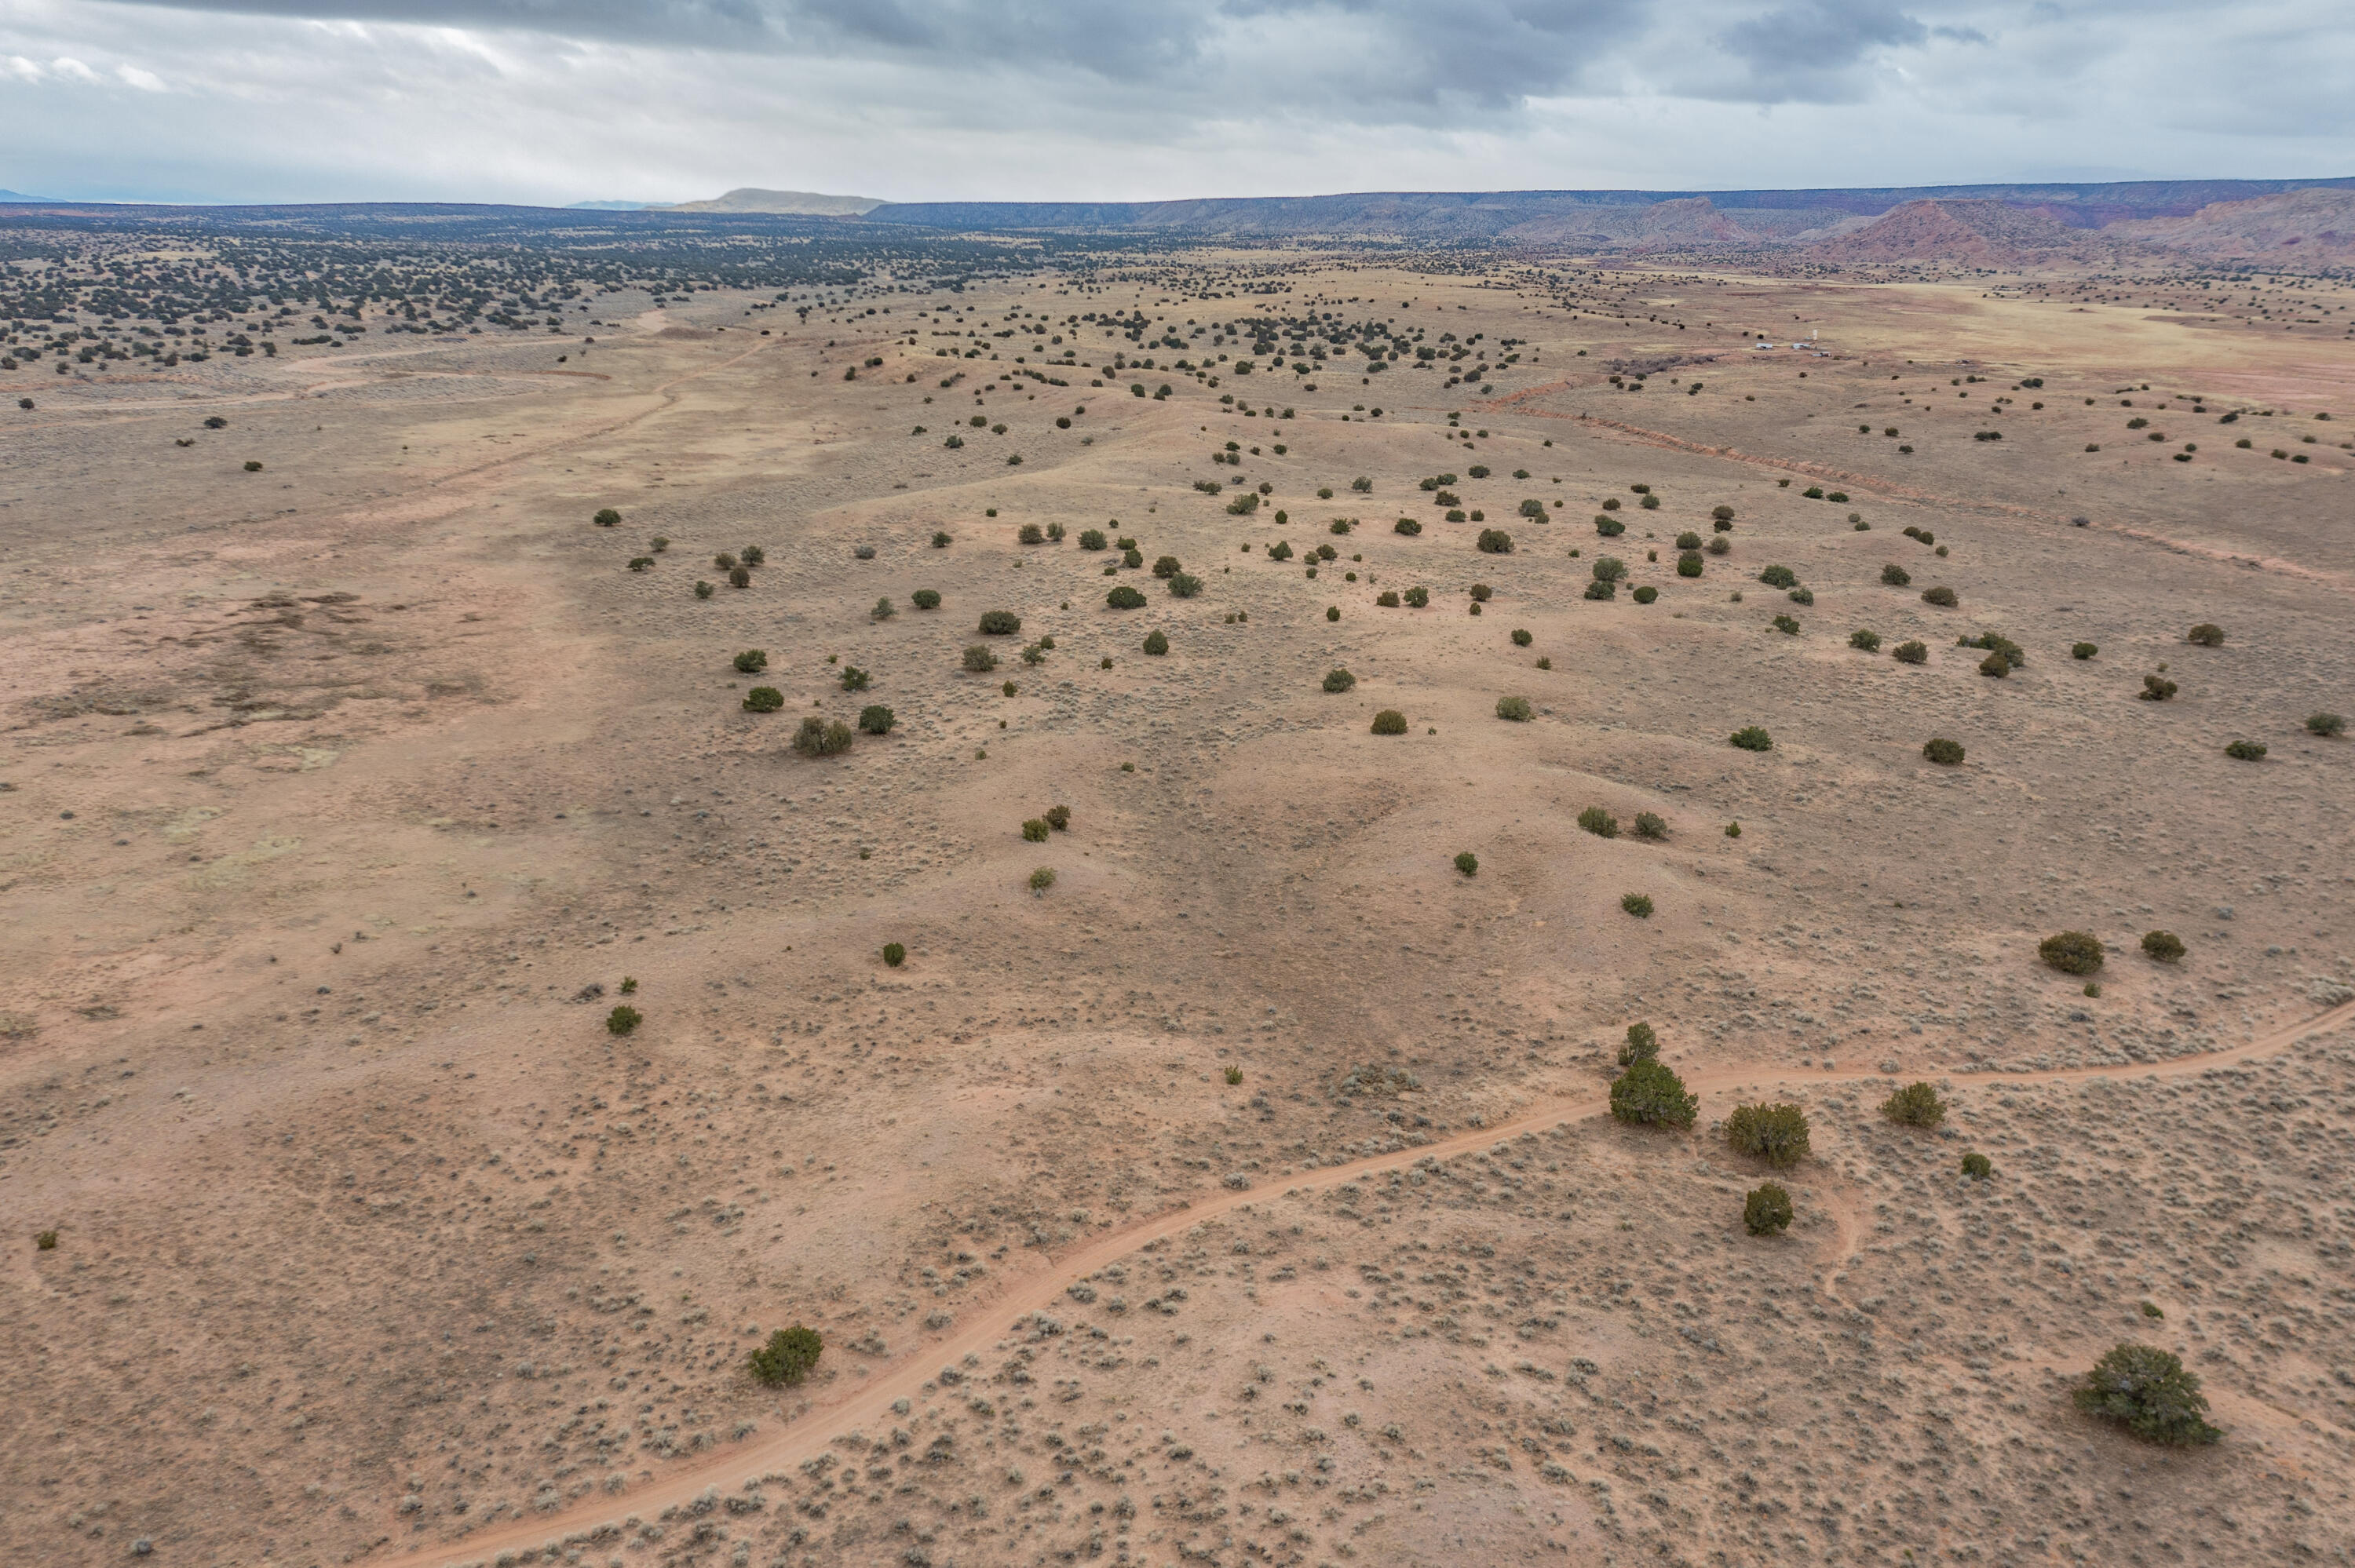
(1246, 1191)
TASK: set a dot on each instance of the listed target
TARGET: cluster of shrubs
(1058, 819)
(1604, 825)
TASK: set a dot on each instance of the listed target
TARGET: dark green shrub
(740, 578)
(1915, 1105)
(624, 1019)
(702, 590)
(45, 1241)
(1481, 593)
(1156, 644)
(1607, 569)
(1867, 640)
(2208, 634)
(1468, 863)
(884, 610)
(1645, 594)
(1802, 595)
(2082, 650)
(1521, 639)
(1418, 598)
(1720, 545)
(1166, 568)
(1516, 709)
(1000, 623)
(855, 679)
(979, 660)
(1599, 822)
(1407, 526)
(1977, 1166)
(1750, 738)
(1779, 576)
(1995, 667)
(1650, 504)
(1362, 484)
(1009, 689)
(2245, 750)
(1185, 584)
(1688, 564)
(1639, 905)
(925, 598)
(1279, 551)
(1042, 879)
(788, 1356)
(894, 955)
(2326, 725)
(1775, 1133)
(723, 562)
(1944, 753)
(1494, 541)
(640, 563)
(2155, 689)
(1060, 817)
(1532, 509)
(751, 661)
(1641, 1045)
(1125, 597)
(942, 540)
(1895, 576)
(1649, 1095)
(1910, 653)
(1721, 515)
(2013, 654)
(2164, 946)
(1788, 626)
(1767, 1210)
(1688, 540)
(1944, 597)
(1035, 831)
(1030, 533)
(2071, 952)
(1389, 721)
(607, 518)
(2147, 1391)
(1337, 681)
(1603, 587)
(1609, 527)
(1651, 827)
(763, 700)
(753, 556)
(1055, 531)
(1386, 599)
(876, 719)
(816, 737)
(1092, 539)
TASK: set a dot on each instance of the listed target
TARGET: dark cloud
(1809, 53)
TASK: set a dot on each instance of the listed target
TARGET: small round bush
(979, 660)
(2071, 952)
(2164, 946)
(751, 661)
(1944, 597)
(624, 1019)
(2208, 634)
(942, 540)
(2155, 689)
(876, 719)
(2147, 1391)
(1093, 539)
(1639, 905)
(1060, 817)
(816, 737)
(1000, 623)
(1521, 639)
(1645, 594)
(1977, 1166)
(1125, 597)
(1750, 738)
(753, 556)
(1867, 640)
(740, 578)
(1154, 642)
(2245, 750)
(1036, 829)
(2082, 650)
(2326, 725)
(1779, 576)
(1775, 1133)
(1516, 709)
(894, 955)
(925, 598)
(1787, 625)
(607, 518)
(1910, 653)
(1418, 598)
(1494, 541)
(1468, 863)
(1009, 689)
(1688, 540)
(702, 590)
(1688, 564)
(1599, 822)
(1915, 1105)
(1767, 1210)
(1651, 827)
(855, 679)
(787, 1357)
(1720, 513)
(1030, 533)
(1389, 721)
(1641, 1045)
(1408, 527)
(1186, 585)
(1167, 567)
(1337, 681)
(1895, 576)
(1042, 879)
(1603, 587)
(1607, 569)
(1648, 1094)
(1609, 527)
(1720, 545)
(1944, 753)
(1995, 666)
(763, 700)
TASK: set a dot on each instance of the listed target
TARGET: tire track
(831, 1415)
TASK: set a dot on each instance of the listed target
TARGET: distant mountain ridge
(792, 204)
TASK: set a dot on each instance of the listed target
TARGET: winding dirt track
(867, 1400)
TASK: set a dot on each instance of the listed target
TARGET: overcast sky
(560, 101)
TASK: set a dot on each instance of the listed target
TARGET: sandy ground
(1244, 1196)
